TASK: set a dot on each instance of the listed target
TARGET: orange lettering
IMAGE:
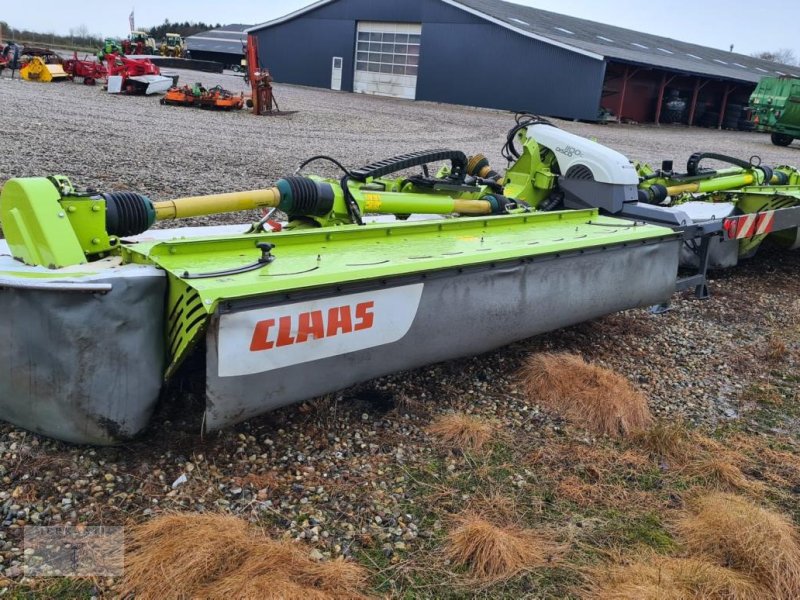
(260, 335)
(365, 316)
(310, 325)
(284, 332)
(339, 319)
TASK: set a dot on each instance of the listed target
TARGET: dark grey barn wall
(464, 59)
(487, 65)
(300, 51)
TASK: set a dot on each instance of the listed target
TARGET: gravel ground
(338, 472)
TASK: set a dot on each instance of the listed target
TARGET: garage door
(387, 59)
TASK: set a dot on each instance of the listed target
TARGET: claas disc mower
(358, 280)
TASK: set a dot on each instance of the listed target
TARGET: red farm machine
(263, 100)
(88, 69)
(135, 76)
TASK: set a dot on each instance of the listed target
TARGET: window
(394, 53)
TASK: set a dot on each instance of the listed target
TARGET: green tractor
(110, 46)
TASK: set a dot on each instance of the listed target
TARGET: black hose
(323, 157)
(523, 120)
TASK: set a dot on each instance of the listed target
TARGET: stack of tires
(674, 109)
(736, 118)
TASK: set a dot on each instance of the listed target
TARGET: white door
(387, 59)
(336, 73)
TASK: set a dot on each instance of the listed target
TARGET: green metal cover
(776, 103)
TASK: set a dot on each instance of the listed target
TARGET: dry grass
(721, 474)
(746, 537)
(491, 553)
(215, 556)
(593, 397)
(776, 349)
(671, 441)
(463, 432)
(688, 453)
(667, 578)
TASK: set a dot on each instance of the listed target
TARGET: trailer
(389, 267)
(775, 108)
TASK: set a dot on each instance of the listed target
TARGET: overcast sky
(750, 27)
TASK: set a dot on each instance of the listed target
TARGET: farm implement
(775, 108)
(388, 267)
(135, 76)
(42, 65)
(215, 98)
(88, 70)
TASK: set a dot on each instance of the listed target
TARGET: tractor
(173, 46)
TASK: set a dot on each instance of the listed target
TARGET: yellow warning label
(372, 202)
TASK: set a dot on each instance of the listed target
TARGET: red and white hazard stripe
(747, 226)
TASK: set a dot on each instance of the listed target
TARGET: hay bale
(593, 397)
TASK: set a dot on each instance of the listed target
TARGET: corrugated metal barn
(224, 45)
(497, 54)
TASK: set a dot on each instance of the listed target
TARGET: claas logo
(312, 325)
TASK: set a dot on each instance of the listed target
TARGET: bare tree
(784, 56)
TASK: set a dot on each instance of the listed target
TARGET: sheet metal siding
(463, 59)
(300, 51)
(485, 65)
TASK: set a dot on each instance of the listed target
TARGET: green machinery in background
(775, 108)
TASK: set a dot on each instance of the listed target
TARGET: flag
(130, 20)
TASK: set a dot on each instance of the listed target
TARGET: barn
(497, 54)
(224, 45)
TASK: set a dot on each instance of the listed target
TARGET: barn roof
(228, 40)
(605, 42)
